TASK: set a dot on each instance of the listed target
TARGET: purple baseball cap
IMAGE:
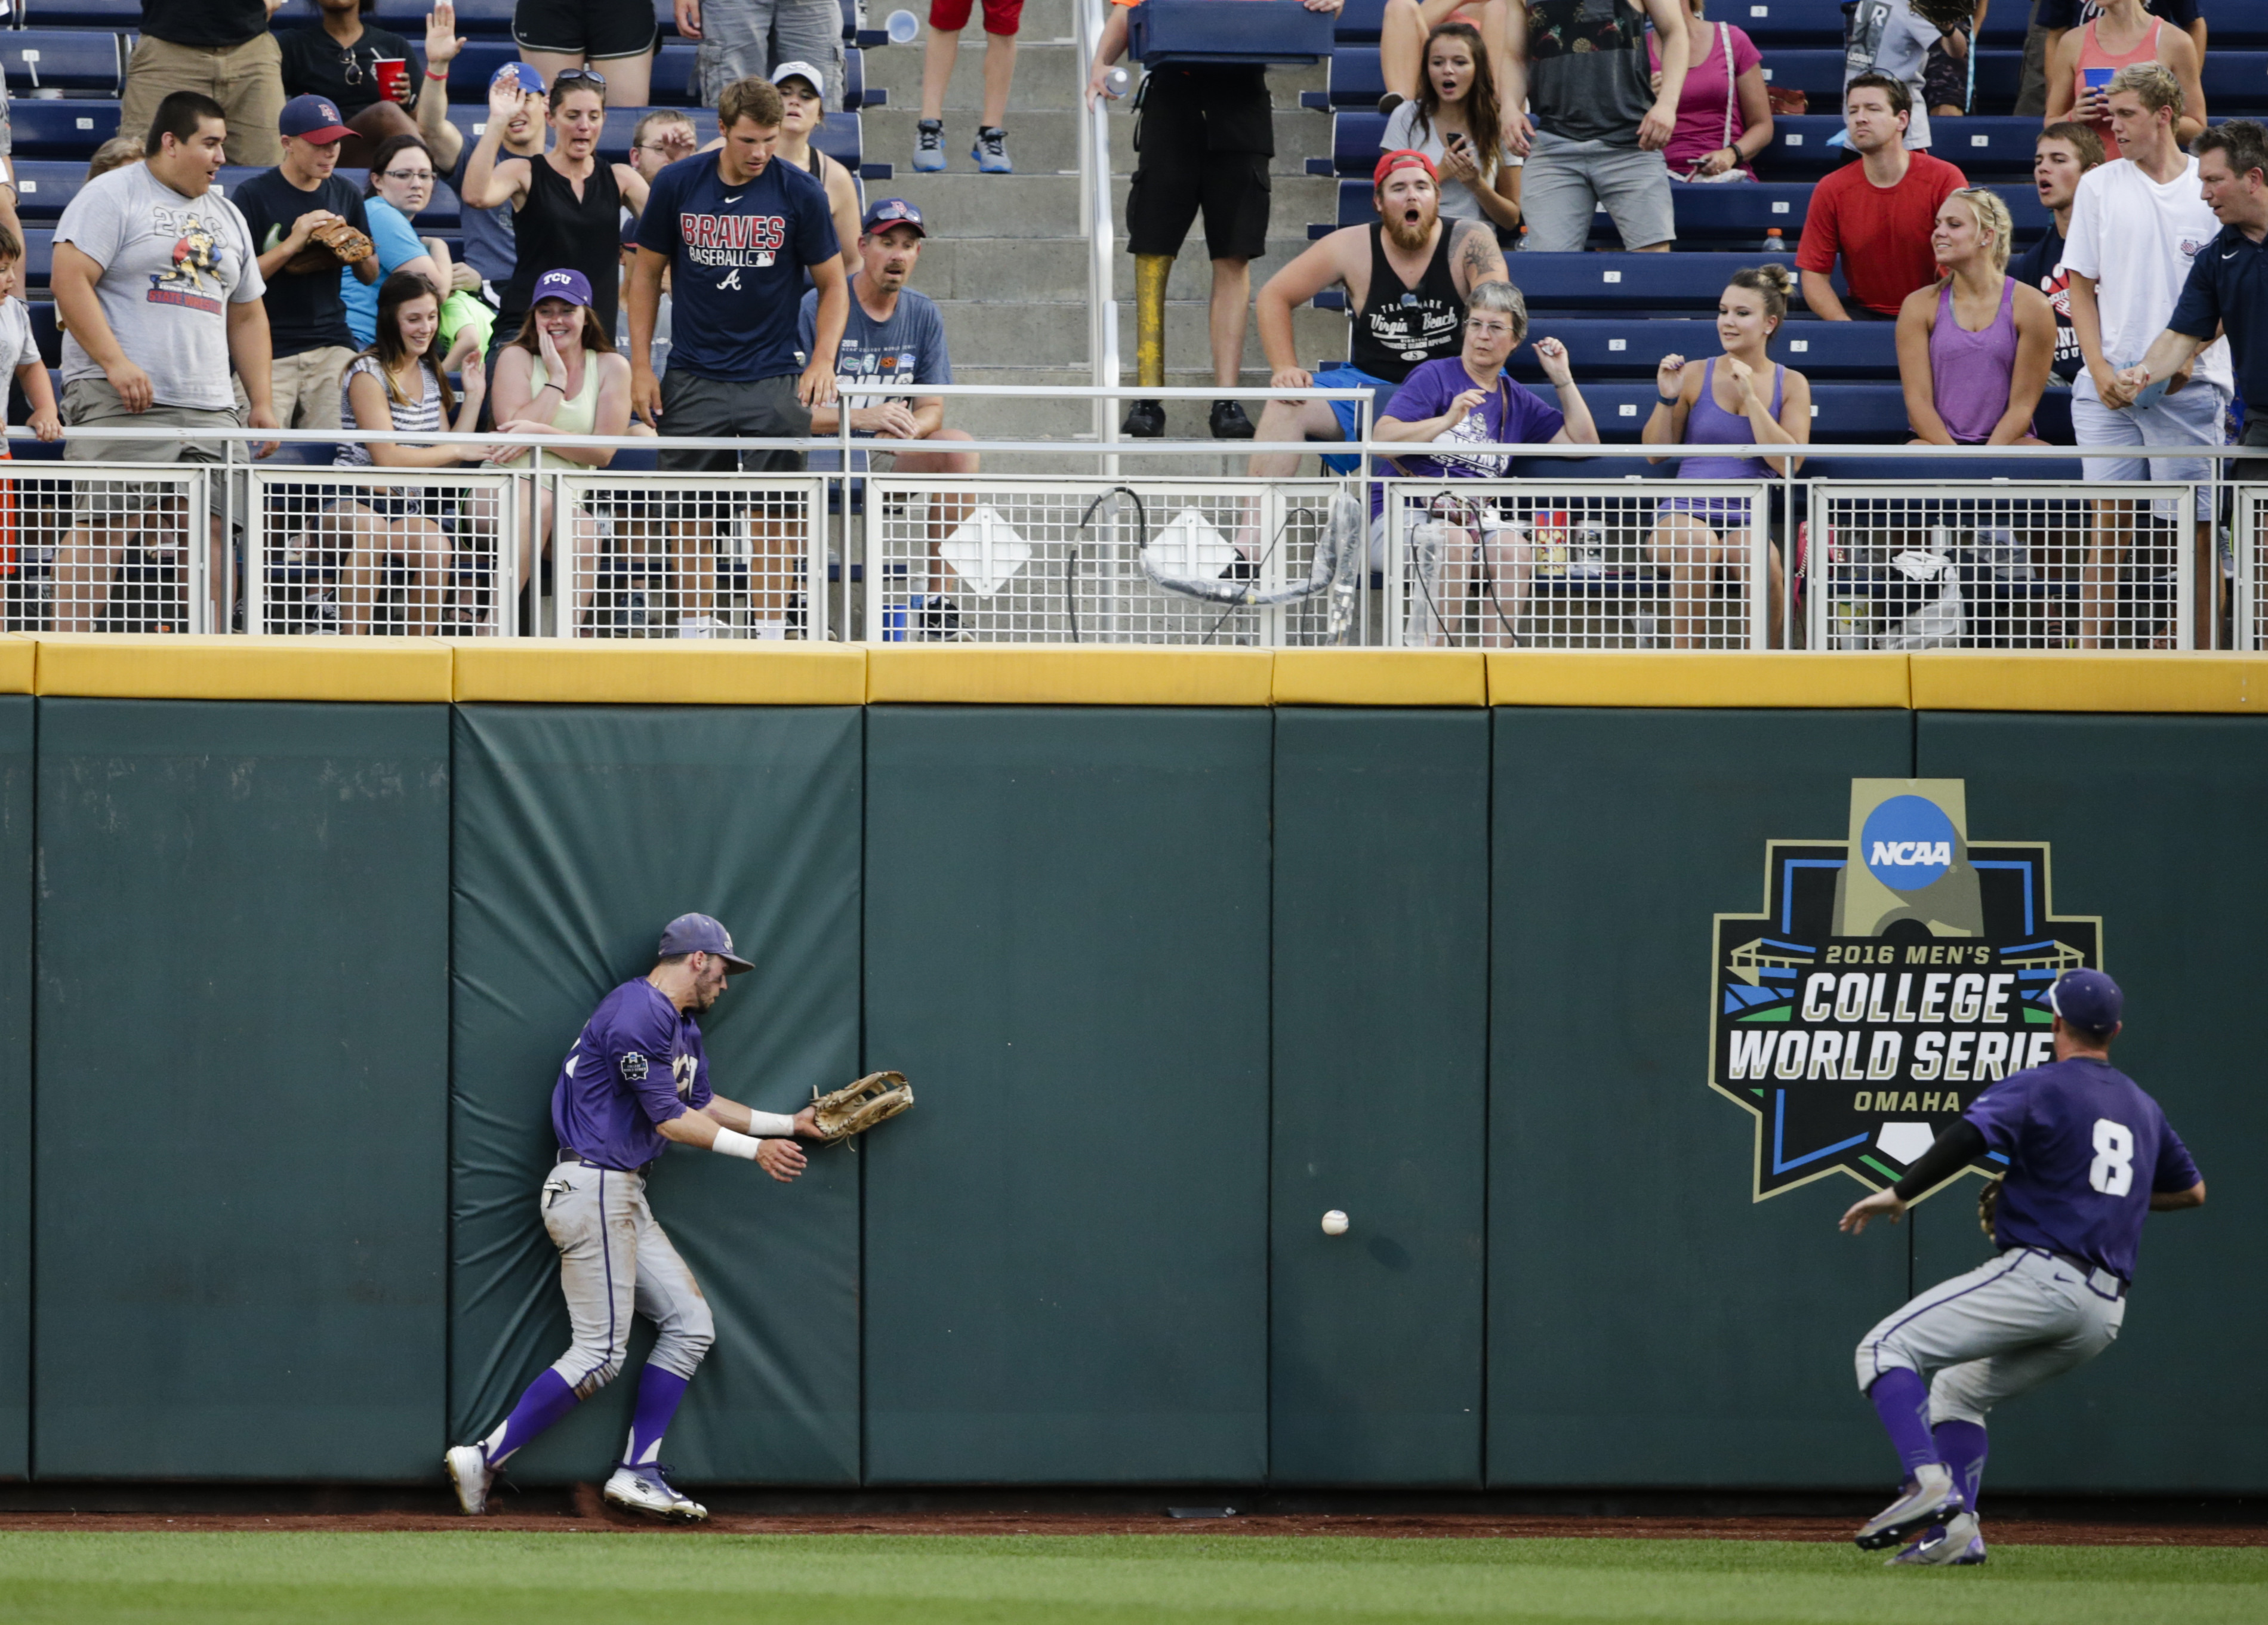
(312, 118)
(893, 211)
(2088, 998)
(519, 74)
(575, 288)
(698, 933)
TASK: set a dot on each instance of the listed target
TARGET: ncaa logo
(1907, 843)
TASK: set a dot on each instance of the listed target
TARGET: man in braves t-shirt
(737, 232)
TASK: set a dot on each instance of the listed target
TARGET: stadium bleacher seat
(1616, 348)
(1986, 149)
(39, 255)
(111, 14)
(839, 136)
(85, 60)
(65, 128)
(45, 186)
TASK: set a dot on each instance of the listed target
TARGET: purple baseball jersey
(637, 1061)
(2085, 1147)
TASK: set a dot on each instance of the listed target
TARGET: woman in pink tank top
(1974, 347)
(2084, 59)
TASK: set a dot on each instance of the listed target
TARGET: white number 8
(2112, 1171)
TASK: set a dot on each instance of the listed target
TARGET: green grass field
(616, 1579)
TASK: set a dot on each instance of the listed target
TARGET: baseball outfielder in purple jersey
(636, 1080)
(2089, 1157)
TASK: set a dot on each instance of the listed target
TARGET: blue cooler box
(1161, 32)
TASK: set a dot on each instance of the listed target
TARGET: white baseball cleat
(1930, 1498)
(644, 1489)
(1957, 1543)
(470, 1476)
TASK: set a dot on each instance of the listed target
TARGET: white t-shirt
(171, 266)
(1457, 200)
(2135, 240)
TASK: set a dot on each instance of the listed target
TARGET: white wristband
(771, 1125)
(734, 1144)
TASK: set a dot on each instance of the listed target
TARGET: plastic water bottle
(903, 26)
(1115, 82)
(1774, 242)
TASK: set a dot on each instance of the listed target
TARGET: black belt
(567, 1156)
(2089, 1268)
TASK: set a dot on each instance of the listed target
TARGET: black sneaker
(1229, 422)
(1145, 421)
(938, 620)
(1389, 102)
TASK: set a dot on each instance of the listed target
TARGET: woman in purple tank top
(1739, 398)
(1975, 346)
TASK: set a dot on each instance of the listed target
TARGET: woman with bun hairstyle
(1479, 179)
(1975, 346)
(1739, 398)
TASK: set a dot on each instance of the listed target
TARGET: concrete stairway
(1006, 261)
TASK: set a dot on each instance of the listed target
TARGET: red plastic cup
(392, 78)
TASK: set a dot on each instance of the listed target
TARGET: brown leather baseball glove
(329, 248)
(855, 1107)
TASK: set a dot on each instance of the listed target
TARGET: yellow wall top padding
(160, 667)
(19, 662)
(2139, 680)
(1698, 680)
(641, 672)
(1381, 677)
(1059, 674)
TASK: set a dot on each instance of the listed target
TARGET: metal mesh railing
(1221, 561)
(362, 552)
(1572, 564)
(2251, 561)
(2001, 566)
(689, 555)
(105, 548)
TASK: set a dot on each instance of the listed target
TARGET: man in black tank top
(1406, 278)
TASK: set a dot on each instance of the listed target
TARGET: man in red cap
(1407, 276)
(307, 312)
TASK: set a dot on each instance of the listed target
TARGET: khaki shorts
(246, 79)
(91, 400)
(304, 389)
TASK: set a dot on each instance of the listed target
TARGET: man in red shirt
(1875, 213)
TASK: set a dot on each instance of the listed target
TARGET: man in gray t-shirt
(891, 345)
(1599, 128)
(159, 289)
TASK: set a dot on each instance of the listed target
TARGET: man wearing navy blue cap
(306, 313)
(2087, 1156)
(637, 1079)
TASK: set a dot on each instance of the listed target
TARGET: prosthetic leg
(1146, 419)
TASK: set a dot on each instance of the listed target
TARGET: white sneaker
(1957, 1543)
(1930, 1498)
(470, 1476)
(644, 1489)
(700, 626)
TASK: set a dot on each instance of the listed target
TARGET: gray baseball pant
(1998, 1331)
(615, 1261)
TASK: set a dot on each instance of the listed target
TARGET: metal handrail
(1095, 222)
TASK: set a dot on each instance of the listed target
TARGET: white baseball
(1335, 1223)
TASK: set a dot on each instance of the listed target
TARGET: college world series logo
(1893, 974)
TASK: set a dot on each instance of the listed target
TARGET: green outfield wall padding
(580, 833)
(1067, 925)
(2156, 825)
(242, 975)
(1380, 1077)
(15, 823)
(1649, 1322)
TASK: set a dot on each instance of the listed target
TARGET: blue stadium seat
(117, 15)
(1606, 348)
(46, 59)
(1848, 414)
(39, 255)
(1986, 149)
(1359, 22)
(2242, 23)
(2236, 83)
(46, 333)
(46, 129)
(45, 186)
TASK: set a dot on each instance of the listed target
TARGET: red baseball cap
(1405, 158)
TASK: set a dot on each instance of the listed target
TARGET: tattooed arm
(1473, 257)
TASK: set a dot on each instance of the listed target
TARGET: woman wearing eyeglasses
(566, 205)
(400, 188)
(337, 59)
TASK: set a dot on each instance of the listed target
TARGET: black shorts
(1944, 82)
(1169, 187)
(715, 408)
(596, 30)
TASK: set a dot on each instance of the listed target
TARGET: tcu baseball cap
(805, 71)
(575, 288)
(312, 118)
(893, 211)
(2088, 998)
(519, 74)
(1404, 158)
(698, 933)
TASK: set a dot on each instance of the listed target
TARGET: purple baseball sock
(659, 1392)
(548, 1399)
(1962, 1444)
(1902, 1402)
